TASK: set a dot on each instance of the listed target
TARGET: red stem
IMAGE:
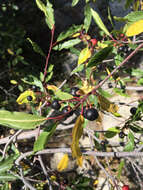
(48, 56)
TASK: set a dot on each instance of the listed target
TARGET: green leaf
(120, 168)
(130, 145)
(104, 93)
(63, 95)
(118, 59)
(7, 177)
(50, 15)
(20, 120)
(111, 132)
(42, 140)
(49, 73)
(72, 30)
(78, 69)
(120, 92)
(36, 48)
(68, 44)
(74, 2)
(48, 11)
(99, 56)
(137, 72)
(88, 16)
(99, 22)
(7, 164)
(134, 16)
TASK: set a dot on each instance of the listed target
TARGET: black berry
(90, 114)
(122, 144)
(110, 85)
(74, 91)
(29, 98)
(55, 105)
(67, 109)
(133, 110)
(104, 142)
(121, 135)
(35, 88)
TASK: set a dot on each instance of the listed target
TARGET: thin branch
(93, 153)
(9, 141)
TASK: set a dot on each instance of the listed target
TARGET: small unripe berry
(133, 110)
(29, 98)
(55, 105)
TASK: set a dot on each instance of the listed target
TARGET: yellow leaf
(135, 28)
(13, 81)
(84, 55)
(101, 45)
(95, 182)
(108, 72)
(23, 97)
(52, 87)
(79, 161)
(76, 135)
(63, 164)
(107, 105)
(76, 35)
(86, 87)
(10, 51)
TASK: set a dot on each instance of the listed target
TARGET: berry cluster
(89, 113)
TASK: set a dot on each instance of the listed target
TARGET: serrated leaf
(99, 56)
(43, 138)
(68, 44)
(76, 135)
(120, 92)
(63, 95)
(74, 2)
(20, 120)
(88, 16)
(120, 168)
(72, 30)
(106, 105)
(48, 11)
(111, 132)
(36, 48)
(85, 54)
(63, 164)
(135, 28)
(23, 97)
(99, 22)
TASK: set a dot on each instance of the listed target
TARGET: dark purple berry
(121, 135)
(90, 114)
(29, 98)
(67, 109)
(122, 144)
(55, 105)
(110, 85)
(133, 110)
(74, 91)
